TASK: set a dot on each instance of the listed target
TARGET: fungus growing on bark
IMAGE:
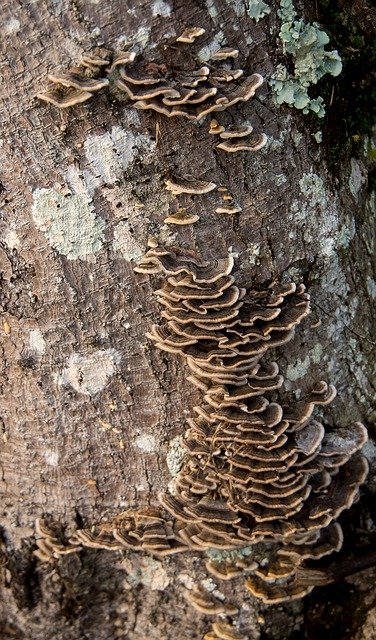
(49, 542)
(192, 93)
(223, 631)
(255, 470)
(207, 604)
(189, 185)
(190, 34)
(62, 97)
(181, 217)
(230, 209)
(224, 53)
(236, 131)
(215, 127)
(232, 146)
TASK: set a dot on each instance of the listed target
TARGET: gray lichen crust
(68, 222)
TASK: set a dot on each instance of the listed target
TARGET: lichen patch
(68, 222)
(161, 8)
(90, 374)
(146, 443)
(37, 342)
(126, 243)
(112, 153)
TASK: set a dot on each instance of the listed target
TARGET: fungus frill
(255, 470)
(78, 84)
(191, 89)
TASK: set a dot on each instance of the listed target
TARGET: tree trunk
(92, 412)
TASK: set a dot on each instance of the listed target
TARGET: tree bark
(91, 411)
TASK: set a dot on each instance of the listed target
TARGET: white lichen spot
(37, 342)
(90, 374)
(316, 353)
(68, 222)
(346, 234)
(51, 458)
(146, 443)
(254, 251)
(357, 178)
(312, 187)
(212, 9)
(186, 579)
(208, 584)
(371, 287)
(161, 8)
(11, 239)
(175, 455)
(369, 450)
(11, 27)
(280, 179)
(148, 572)
(296, 137)
(206, 52)
(125, 242)
(112, 153)
(299, 369)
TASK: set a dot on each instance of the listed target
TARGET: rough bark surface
(91, 411)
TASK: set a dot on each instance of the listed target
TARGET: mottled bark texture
(90, 410)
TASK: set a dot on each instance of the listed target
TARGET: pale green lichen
(318, 136)
(205, 53)
(146, 443)
(305, 42)
(125, 242)
(233, 554)
(257, 9)
(69, 222)
(146, 571)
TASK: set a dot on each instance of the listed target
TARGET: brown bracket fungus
(236, 131)
(190, 34)
(255, 144)
(189, 185)
(255, 471)
(224, 53)
(181, 217)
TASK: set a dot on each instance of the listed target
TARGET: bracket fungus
(190, 34)
(189, 185)
(255, 471)
(224, 53)
(256, 143)
(181, 217)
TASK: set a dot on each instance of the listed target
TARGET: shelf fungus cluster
(255, 471)
(192, 92)
(79, 83)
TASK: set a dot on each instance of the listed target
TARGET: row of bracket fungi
(192, 92)
(255, 471)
